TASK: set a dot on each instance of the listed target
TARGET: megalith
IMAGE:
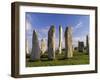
(43, 46)
(51, 43)
(80, 46)
(35, 53)
(60, 39)
(68, 43)
(87, 44)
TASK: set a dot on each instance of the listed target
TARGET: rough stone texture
(87, 44)
(35, 54)
(80, 46)
(68, 43)
(51, 43)
(43, 46)
(27, 47)
(60, 39)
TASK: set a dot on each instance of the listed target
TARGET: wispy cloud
(28, 26)
(44, 30)
(28, 30)
(43, 33)
(78, 25)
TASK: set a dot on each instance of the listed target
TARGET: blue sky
(41, 22)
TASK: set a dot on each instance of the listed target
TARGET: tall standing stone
(87, 44)
(43, 46)
(80, 46)
(60, 39)
(68, 43)
(51, 43)
(27, 47)
(35, 54)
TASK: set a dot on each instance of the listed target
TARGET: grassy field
(78, 58)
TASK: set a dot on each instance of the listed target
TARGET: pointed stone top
(52, 28)
(68, 28)
(35, 34)
(87, 36)
(60, 26)
(43, 39)
(34, 31)
(52, 25)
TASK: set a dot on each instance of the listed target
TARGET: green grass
(78, 58)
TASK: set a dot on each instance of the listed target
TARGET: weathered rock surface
(43, 46)
(60, 39)
(51, 43)
(87, 44)
(80, 46)
(68, 43)
(35, 54)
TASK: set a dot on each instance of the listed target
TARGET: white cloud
(44, 31)
(79, 25)
(28, 30)
(28, 26)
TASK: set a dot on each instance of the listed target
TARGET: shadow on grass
(33, 60)
(42, 59)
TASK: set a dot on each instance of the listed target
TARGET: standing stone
(35, 54)
(87, 44)
(51, 43)
(27, 47)
(60, 39)
(80, 46)
(43, 46)
(68, 43)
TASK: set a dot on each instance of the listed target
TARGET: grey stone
(51, 43)
(27, 47)
(60, 39)
(35, 54)
(80, 46)
(43, 46)
(87, 44)
(68, 43)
